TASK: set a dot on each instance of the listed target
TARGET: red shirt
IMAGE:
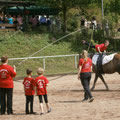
(101, 46)
(40, 83)
(29, 86)
(6, 76)
(86, 66)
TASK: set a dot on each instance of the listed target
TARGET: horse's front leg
(95, 80)
(101, 77)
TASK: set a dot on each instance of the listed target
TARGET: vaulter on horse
(101, 49)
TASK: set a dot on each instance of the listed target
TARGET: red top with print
(40, 83)
(29, 86)
(86, 65)
(6, 76)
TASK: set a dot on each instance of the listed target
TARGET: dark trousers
(0, 102)
(29, 100)
(99, 63)
(91, 46)
(6, 100)
(85, 80)
(41, 99)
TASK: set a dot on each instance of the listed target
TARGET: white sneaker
(91, 99)
(49, 110)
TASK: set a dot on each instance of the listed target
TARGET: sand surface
(65, 94)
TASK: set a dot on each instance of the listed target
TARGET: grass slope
(19, 44)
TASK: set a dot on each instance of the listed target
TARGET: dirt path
(65, 94)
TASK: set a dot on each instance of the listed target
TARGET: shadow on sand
(72, 101)
(99, 90)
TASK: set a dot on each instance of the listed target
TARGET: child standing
(29, 91)
(41, 83)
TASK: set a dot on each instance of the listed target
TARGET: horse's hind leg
(95, 80)
(101, 77)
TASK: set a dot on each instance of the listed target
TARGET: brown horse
(109, 68)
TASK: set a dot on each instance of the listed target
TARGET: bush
(72, 25)
(73, 19)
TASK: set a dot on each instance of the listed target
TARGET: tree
(113, 7)
(64, 6)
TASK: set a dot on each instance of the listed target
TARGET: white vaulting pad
(106, 58)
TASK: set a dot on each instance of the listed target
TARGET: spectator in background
(98, 25)
(82, 22)
(43, 20)
(14, 19)
(1, 19)
(6, 85)
(30, 20)
(86, 23)
(48, 22)
(37, 20)
(107, 28)
(5, 19)
(53, 25)
(34, 21)
(10, 19)
(94, 23)
(20, 22)
(83, 30)
(58, 23)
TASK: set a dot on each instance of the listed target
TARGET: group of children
(38, 86)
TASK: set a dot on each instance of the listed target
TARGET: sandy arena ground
(65, 95)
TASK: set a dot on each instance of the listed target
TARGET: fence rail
(45, 57)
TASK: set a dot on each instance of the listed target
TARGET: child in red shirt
(99, 48)
(29, 91)
(41, 83)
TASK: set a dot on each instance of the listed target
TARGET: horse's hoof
(92, 88)
(107, 89)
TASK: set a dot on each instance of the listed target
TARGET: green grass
(18, 44)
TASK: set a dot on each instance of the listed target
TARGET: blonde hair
(40, 71)
(84, 55)
(106, 41)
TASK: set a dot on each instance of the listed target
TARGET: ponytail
(84, 55)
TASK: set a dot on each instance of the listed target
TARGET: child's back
(28, 85)
(29, 91)
(41, 83)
